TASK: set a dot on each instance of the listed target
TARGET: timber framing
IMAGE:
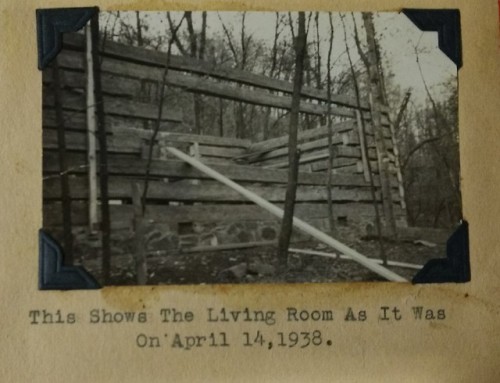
(189, 64)
(183, 192)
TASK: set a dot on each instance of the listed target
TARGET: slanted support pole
(298, 223)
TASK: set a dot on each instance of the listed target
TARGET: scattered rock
(233, 273)
(424, 243)
(261, 268)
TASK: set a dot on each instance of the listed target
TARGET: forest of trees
(425, 128)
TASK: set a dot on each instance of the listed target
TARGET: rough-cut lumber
(207, 191)
(227, 246)
(76, 121)
(192, 83)
(112, 84)
(297, 223)
(316, 133)
(132, 128)
(319, 160)
(261, 148)
(131, 166)
(343, 256)
(312, 148)
(167, 137)
(188, 64)
(112, 105)
(336, 163)
(77, 141)
(130, 143)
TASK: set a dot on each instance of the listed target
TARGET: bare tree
(331, 219)
(140, 201)
(293, 153)
(376, 101)
(378, 222)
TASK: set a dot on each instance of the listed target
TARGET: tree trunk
(293, 154)
(331, 219)
(363, 137)
(376, 98)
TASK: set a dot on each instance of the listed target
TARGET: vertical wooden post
(362, 144)
(103, 150)
(91, 134)
(63, 167)
(140, 231)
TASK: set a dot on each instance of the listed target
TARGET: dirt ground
(260, 265)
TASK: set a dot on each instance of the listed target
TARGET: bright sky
(398, 37)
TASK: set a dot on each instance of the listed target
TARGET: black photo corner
(54, 274)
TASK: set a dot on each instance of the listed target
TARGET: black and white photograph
(205, 147)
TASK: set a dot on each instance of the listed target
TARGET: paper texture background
(463, 348)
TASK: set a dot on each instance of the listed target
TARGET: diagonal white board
(302, 225)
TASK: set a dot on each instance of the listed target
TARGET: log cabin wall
(184, 208)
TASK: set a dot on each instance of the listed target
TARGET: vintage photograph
(205, 147)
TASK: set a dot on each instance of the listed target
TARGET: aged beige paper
(463, 345)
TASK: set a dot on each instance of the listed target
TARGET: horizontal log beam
(155, 58)
(112, 106)
(76, 121)
(206, 191)
(261, 148)
(130, 166)
(132, 73)
(130, 143)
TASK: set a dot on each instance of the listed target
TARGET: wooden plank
(128, 144)
(130, 166)
(112, 105)
(188, 64)
(343, 256)
(167, 137)
(336, 163)
(306, 135)
(316, 146)
(112, 84)
(122, 215)
(226, 246)
(297, 222)
(214, 151)
(348, 169)
(196, 84)
(318, 160)
(77, 141)
(76, 121)
(206, 191)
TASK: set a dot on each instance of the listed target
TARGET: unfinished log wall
(184, 208)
